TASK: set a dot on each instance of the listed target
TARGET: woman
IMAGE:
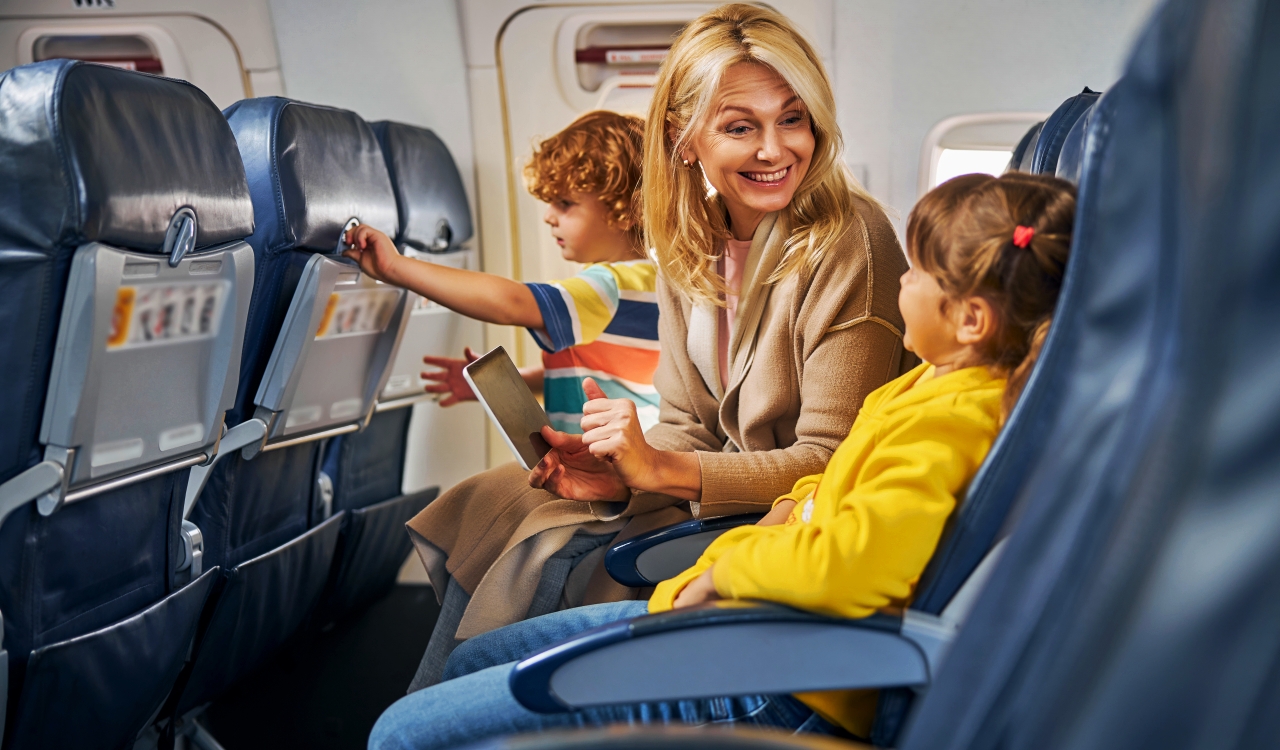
(778, 295)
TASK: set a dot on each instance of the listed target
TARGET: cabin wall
(902, 66)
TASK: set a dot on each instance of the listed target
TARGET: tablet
(510, 404)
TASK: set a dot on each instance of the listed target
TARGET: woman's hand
(778, 515)
(612, 432)
(699, 590)
(570, 471)
(375, 253)
(449, 379)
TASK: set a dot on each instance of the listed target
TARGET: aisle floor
(326, 689)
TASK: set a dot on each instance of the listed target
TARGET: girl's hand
(448, 379)
(612, 432)
(699, 590)
(375, 253)
(778, 515)
(570, 471)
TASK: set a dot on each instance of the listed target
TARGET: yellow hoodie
(863, 530)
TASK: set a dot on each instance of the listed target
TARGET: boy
(602, 323)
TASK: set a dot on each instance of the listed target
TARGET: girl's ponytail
(1018, 377)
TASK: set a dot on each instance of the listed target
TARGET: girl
(988, 260)
(777, 297)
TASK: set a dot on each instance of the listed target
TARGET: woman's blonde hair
(682, 222)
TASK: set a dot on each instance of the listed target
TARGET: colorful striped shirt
(602, 323)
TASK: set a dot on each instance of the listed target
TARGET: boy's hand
(571, 472)
(374, 252)
(699, 590)
(448, 379)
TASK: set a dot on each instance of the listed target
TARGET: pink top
(731, 267)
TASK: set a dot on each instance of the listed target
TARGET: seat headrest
(1071, 158)
(310, 169)
(1022, 152)
(94, 153)
(434, 215)
(1048, 148)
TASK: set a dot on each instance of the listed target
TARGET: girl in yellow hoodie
(987, 261)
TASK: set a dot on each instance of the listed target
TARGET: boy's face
(580, 227)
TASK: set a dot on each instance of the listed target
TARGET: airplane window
(953, 162)
(978, 142)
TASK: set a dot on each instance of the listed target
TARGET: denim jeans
(475, 702)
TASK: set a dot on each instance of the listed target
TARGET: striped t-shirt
(602, 323)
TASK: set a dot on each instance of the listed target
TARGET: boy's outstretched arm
(482, 296)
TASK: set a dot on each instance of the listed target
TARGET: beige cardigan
(804, 353)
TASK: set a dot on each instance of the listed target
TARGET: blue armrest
(667, 738)
(649, 558)
(719, 649)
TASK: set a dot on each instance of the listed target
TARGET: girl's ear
(975, 320)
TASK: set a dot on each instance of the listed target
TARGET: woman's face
(755, 144)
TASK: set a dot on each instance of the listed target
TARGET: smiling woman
(778, 315)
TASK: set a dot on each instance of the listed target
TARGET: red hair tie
(1022, 235)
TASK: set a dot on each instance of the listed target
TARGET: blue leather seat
(123, 298)
(317, 344)
(366, 469)
(1062, 134)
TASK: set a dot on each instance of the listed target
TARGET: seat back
(322, 332)
(435, 221)
(1076, 624)
(1049, 141)
(1020, 159)
(365, 471)
(320, 337)
(1022, 442)
(125, 290)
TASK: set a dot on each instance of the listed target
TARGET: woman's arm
(482, 296)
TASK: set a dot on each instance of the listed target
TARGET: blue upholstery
(1071, 157)
(310, 170)
(428, 188)
(97, 619)
(1103, 626)
(1049, 141)
(1025, 148)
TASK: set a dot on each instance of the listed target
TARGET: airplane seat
(1071, 157)
(366, 469)
(1045, 149)
(1026, 146)
(124, 291)
(319, 339)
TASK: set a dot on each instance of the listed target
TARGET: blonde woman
(778, 295)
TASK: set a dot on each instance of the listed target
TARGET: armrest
(649, 558)
(722, 648)
(667, 738)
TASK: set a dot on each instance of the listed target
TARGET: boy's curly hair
(598, 153)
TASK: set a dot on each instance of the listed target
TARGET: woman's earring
(685, 162)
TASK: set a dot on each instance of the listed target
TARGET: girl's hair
(962, 234)
(683, 223)
(598, 153)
